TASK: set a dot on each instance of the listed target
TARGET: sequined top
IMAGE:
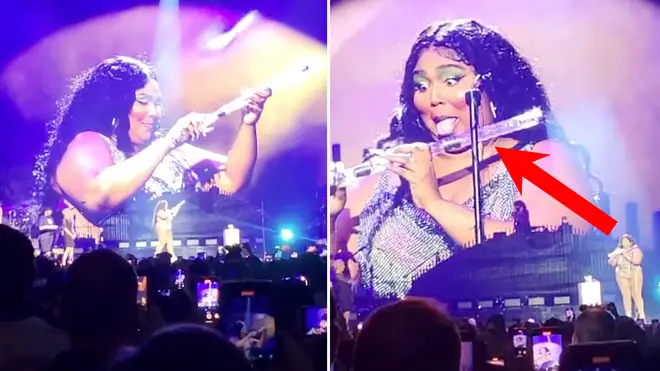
(169, 177)
(399, 243)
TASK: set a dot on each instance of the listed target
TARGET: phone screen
(247, 320)
(520, 340)
(208, 293)
(179, 279)
(316, 320)
(547, 348)
(467, 356)
(142, 290)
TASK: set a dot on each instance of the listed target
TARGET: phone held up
(208, 298)
(247, 318)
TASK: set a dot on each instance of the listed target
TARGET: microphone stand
(473, 99)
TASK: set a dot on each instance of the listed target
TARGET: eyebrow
(440, 67)
(146, 95)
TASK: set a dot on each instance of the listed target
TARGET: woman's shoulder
(90, 141)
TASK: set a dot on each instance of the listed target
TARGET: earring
(493, 110)
(114, 129)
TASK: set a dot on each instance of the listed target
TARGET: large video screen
(150, 144)
(560, 75)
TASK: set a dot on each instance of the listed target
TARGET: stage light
(286, 235)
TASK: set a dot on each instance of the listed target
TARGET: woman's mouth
(445, 125)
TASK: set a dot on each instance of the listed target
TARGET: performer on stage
(69, 234)
(420, 212)
(163, 218)
(627, 262)
(47, 232)
(103, 148)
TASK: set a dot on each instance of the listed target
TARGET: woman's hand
(255, 105)
(190, 128)
(414, 163)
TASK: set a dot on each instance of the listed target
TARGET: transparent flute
(377, 164)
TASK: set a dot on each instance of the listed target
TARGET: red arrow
(520, 164)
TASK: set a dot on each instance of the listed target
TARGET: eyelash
(420, 86)
(455, 80)
(145, 103)
(450, 81)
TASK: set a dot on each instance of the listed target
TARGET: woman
(102, 149)
(420, 211)
(68, 232)
(162, 220)
(627, 262)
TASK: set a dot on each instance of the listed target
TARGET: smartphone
(467, 351)
(179, 279)
(519, 340)
(547, 347)
(315, 320)
(142, 290)
(208, 298)
(247, 318)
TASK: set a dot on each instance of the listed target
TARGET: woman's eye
(421, 86)
(451, 81)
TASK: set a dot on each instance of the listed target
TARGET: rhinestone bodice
(169, 176)
(399, 242)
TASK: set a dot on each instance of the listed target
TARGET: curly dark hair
(511, 84)
(99, 98)
(161, 205)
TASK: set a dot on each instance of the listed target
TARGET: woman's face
(440, 85)
(145, 113)
(626, 243)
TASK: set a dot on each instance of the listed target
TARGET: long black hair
(511, 84)
(100, 100)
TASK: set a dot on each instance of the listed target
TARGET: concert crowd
(419, 334)
(111, 312)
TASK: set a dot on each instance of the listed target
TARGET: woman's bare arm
(458, 220)
(346, 226)
(175, 210)
(87, 173)
(637, 256)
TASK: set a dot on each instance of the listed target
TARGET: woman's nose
(155, 110)
(436, 97)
